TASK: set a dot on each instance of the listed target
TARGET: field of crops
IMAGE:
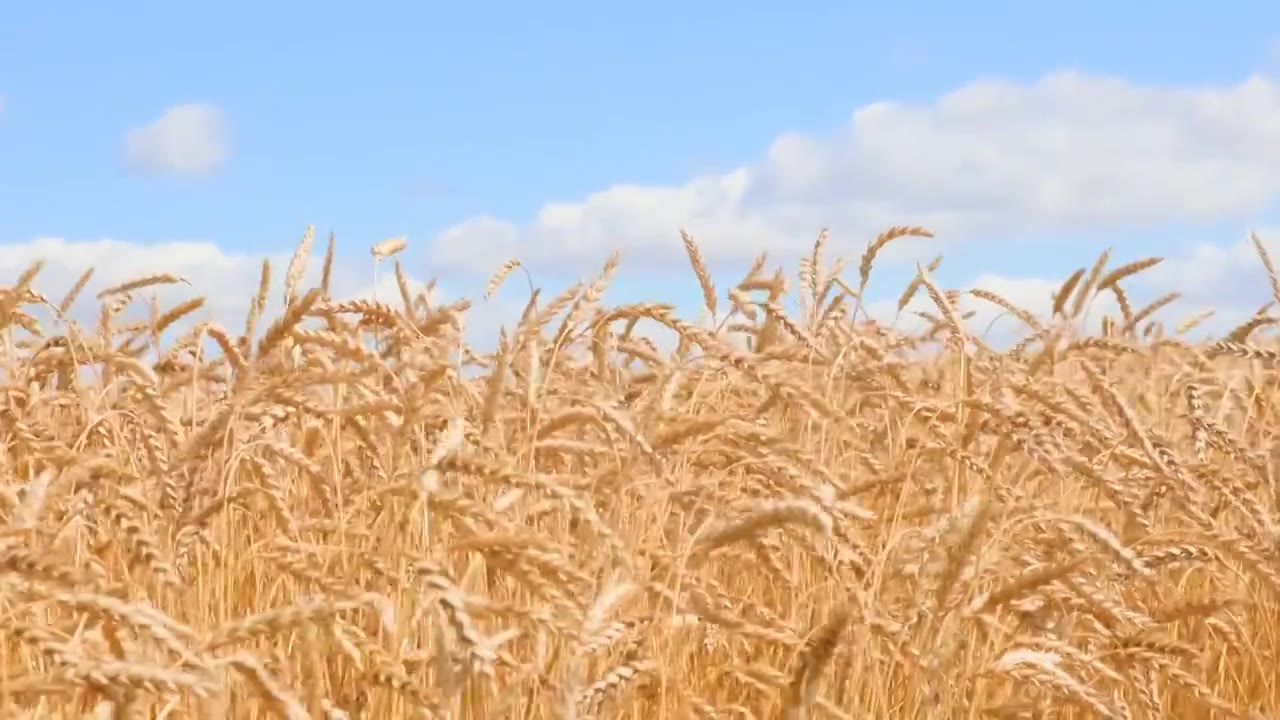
(777, 510)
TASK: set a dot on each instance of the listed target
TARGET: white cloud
(188, 139)
(1223, 273)
(387, 289)
(1231, 279)
(482, 321)
(1068, 152)
(1228, 278)
(227, 280)
(988, 321)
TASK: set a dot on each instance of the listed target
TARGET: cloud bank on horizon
(1070, 152)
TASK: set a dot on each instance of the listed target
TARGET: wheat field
(783, 510)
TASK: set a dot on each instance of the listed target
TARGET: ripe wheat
(347, 512)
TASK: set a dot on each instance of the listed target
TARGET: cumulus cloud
(1228, 278)
(990, 322)
(1231, 273)
(387, 288)
(188, 139)
(1070, 151)
(232, 275)
(228, 280)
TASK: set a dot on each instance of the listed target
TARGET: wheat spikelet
(762, 517)
(386, 248)
(500, 276)
(138, 284)
(298, 264)
(700, 270)
(817, 654)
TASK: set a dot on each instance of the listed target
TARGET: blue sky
(416, 118)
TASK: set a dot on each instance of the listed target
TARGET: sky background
(147, 136)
